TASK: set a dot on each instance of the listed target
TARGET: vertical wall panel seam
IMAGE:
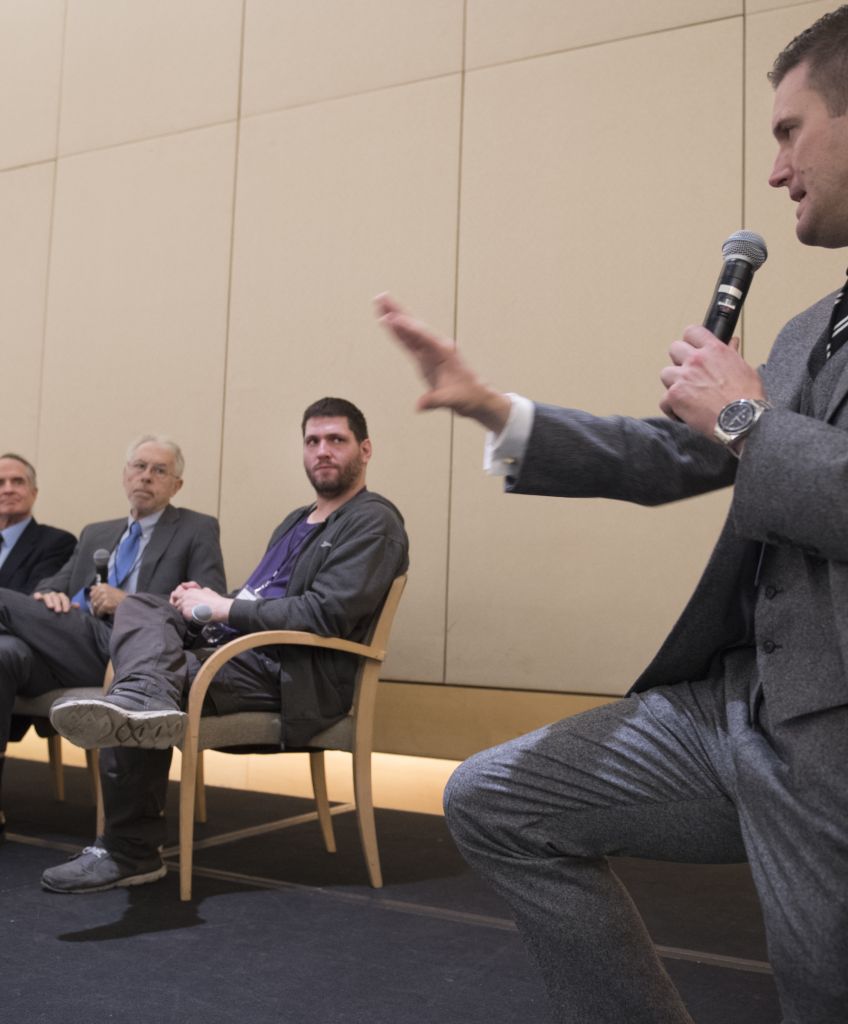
(50, 240)
(744, 142)
(228, 324)
(452, 431)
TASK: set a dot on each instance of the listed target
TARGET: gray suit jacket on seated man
(60, 636)
(326, 570)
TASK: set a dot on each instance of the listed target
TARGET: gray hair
(28, 466)
(165, 442)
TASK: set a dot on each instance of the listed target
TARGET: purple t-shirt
(271, 577)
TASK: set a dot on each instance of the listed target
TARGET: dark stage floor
(279, 930)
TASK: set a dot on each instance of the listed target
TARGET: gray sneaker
(95, 870)
(108, 722)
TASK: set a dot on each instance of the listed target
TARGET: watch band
(737, 419)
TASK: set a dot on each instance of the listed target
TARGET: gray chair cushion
(39, 707)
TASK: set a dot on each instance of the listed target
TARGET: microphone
(744, 252)
(201, 615)
(101, 565)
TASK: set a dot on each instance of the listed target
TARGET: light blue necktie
(125, 556)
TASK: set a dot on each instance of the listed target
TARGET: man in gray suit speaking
(733, 744)
(60, 636)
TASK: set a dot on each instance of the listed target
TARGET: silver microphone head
(745, 245)
(201, 613)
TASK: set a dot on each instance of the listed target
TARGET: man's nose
(779, 173)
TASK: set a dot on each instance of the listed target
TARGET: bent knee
(15, 656)
(472, 795)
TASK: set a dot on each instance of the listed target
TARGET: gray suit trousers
(41, 650)
(691, 772)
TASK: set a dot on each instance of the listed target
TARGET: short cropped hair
(337, 407)
(165, 442)
(823, 47)
(28, 466)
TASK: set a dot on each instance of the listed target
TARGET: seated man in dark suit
(326, 570)
(29, 551)
(59, 637)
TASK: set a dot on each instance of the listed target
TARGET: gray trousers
(41, 650)
(692, 773)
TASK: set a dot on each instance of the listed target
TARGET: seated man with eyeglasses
(60, 636)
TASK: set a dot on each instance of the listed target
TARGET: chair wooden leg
(322, 804)
(188, 790)
(365, 816)
(200, 790)
(54, 754)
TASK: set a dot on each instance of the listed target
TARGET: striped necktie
(838, 324)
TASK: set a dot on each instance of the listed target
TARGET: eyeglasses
(138, 467)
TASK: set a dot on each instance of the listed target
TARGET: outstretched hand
(452, 383)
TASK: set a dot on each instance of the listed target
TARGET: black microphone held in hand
(101, 565)
(744, 252)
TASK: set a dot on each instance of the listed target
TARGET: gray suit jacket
(185, 545)
(791, 489)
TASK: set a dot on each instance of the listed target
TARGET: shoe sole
(97, 723)
(119, 883)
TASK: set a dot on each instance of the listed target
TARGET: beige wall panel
(297, 52)
(26, 198)
(135, 70)
(795, 275)
(758, 6)
(136, 319)
(456, 721)
(31, 58)
(335, 204)
(592, 220)
(502, 30)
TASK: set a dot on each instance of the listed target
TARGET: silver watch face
(737, 417)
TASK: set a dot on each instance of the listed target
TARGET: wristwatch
(737, 419)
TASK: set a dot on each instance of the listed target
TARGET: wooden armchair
(39, 708)
(354, 733)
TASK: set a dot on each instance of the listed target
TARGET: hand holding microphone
(199, 606)
(102, 597)
(707, 373)
(201, 615)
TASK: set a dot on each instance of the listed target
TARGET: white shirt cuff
(503, 452)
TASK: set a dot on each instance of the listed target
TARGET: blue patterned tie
(125, 556)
